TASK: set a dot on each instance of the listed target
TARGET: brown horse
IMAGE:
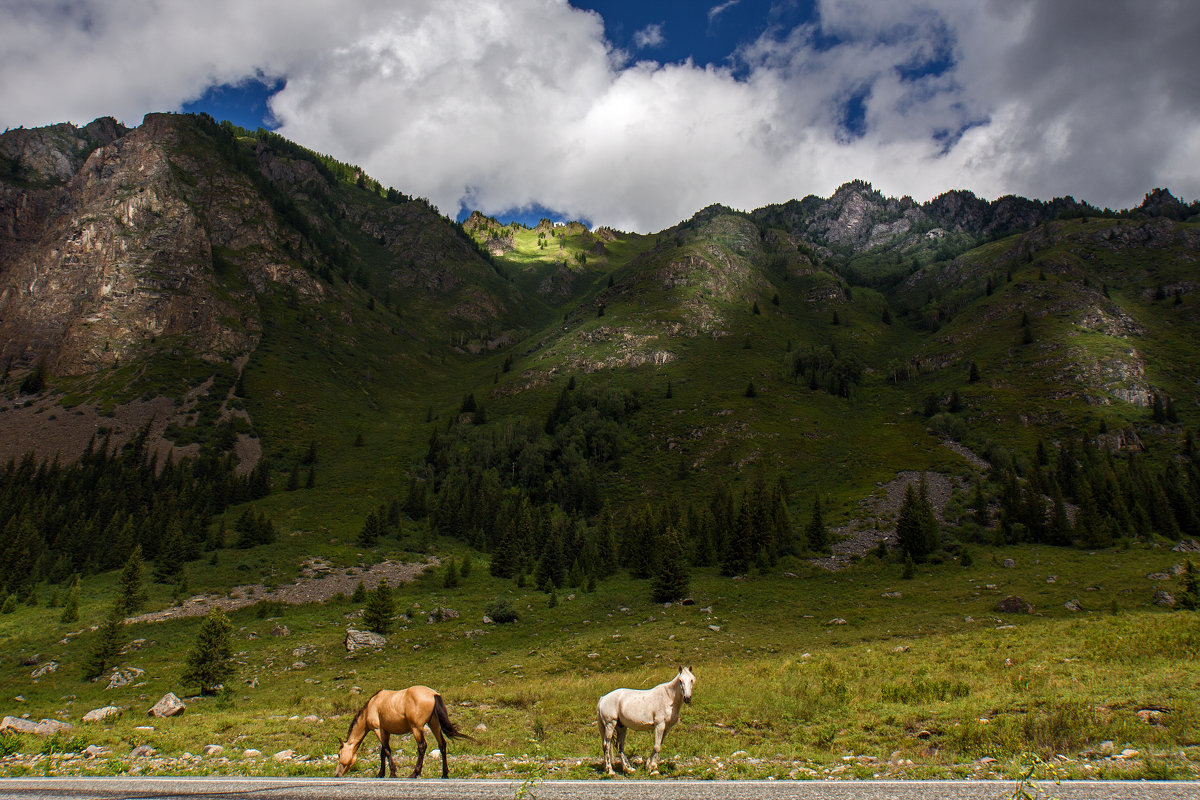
(389, 712)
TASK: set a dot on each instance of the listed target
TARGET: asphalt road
(432, 789)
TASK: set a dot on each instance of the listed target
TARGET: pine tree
(1189, 598)
(671, 579)
(106, 647)
(816, 536)
(369, 535)
(979, 506)
(70, 612)
(1158, 413)
(170, 554)
(916, 528)
(131, 589)
(464, 572)
(210, 663)
(973, 375)
(359, 595)
(739, 549)
(380, 610)
(451, 579)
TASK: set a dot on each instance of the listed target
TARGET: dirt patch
(319, 582)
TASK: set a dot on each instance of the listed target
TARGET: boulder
(213, 750)
(44, 669)
(1150, 716)
(1014, 605)
(123, 676)
(363, 640)
(49, 727)
(94, 751)
(142, 751)
(1073, 605)
(1187, 546)
(168, 706)
(280, 631)
(1164, 598)
(1009, 563)
(18, 725)
(442, 614)
(1158, 576)
(284, 755)
(251, 753)
(101, 714)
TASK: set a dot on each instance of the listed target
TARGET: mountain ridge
(183, 250)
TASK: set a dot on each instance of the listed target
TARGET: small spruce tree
(671, 578)
(131, 588)
(106, 647)
(70, 612)
(1189, 598)
(816, 536)
(451, 579)
(380, 610)
(210, 664)
(170, 556)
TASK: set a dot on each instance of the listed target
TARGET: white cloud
(500, 105)
(649, 36)
(721, 8)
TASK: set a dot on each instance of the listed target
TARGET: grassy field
(924, 678)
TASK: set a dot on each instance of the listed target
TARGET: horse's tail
(448, 727)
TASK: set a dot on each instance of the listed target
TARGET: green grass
(936, 676)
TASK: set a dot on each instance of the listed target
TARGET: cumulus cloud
(649, 36)
(492, 105)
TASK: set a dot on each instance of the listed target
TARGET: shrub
(501, 611)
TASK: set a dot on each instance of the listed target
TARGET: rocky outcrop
(363, 640)
(168, 706)
(47, 727)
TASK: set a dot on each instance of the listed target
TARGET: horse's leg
(436, 727)
(607, 728)
(626, 767)
(419, 735)
(391, 760)
(385, 752)
(660, 730)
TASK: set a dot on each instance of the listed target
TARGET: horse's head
(347, 755)
(686, 681)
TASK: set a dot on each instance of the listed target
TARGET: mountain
(237, 293)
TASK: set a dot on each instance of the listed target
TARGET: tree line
(87, 517)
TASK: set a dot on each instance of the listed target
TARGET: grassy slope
(777, 678)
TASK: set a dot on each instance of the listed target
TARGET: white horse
(642, 710)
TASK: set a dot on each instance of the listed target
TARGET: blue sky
(636, 115)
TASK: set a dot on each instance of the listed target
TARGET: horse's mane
(358, 715)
